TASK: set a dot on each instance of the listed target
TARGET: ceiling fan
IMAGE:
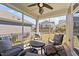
(41, 5)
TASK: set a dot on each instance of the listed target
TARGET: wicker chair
(50, 49)
(58, 38)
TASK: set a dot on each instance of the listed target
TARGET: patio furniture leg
(41, 51)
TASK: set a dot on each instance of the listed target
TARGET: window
(76, 30)
(12, 28)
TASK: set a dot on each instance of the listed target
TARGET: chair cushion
(31, 50)
(5, 44)
(12, 52)
(58, 39)
(61, 50)
(19, 46)
(49, 50)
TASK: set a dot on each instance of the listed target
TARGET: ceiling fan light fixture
(40, 4)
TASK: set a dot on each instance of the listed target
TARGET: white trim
(37, 26)
(73, 53)
(69, 29)
(75, 10)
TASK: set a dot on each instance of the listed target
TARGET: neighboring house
(10, 23)
(76, 21)
(62, 22)
(46, 26)
(61, 26)
(47, 23)
(7, 16)
(76, 24)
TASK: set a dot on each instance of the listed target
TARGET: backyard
(45, 38)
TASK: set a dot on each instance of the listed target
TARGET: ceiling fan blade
(47, 6)
(32, 5)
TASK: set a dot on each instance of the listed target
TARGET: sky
(55, 19)
(29, 18)
(76, 14)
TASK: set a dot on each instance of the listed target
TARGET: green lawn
(76, 42)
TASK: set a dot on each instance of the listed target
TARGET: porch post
(37, 26)
(69, 29)
(22, 25)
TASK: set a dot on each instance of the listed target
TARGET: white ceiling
(59, 9)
